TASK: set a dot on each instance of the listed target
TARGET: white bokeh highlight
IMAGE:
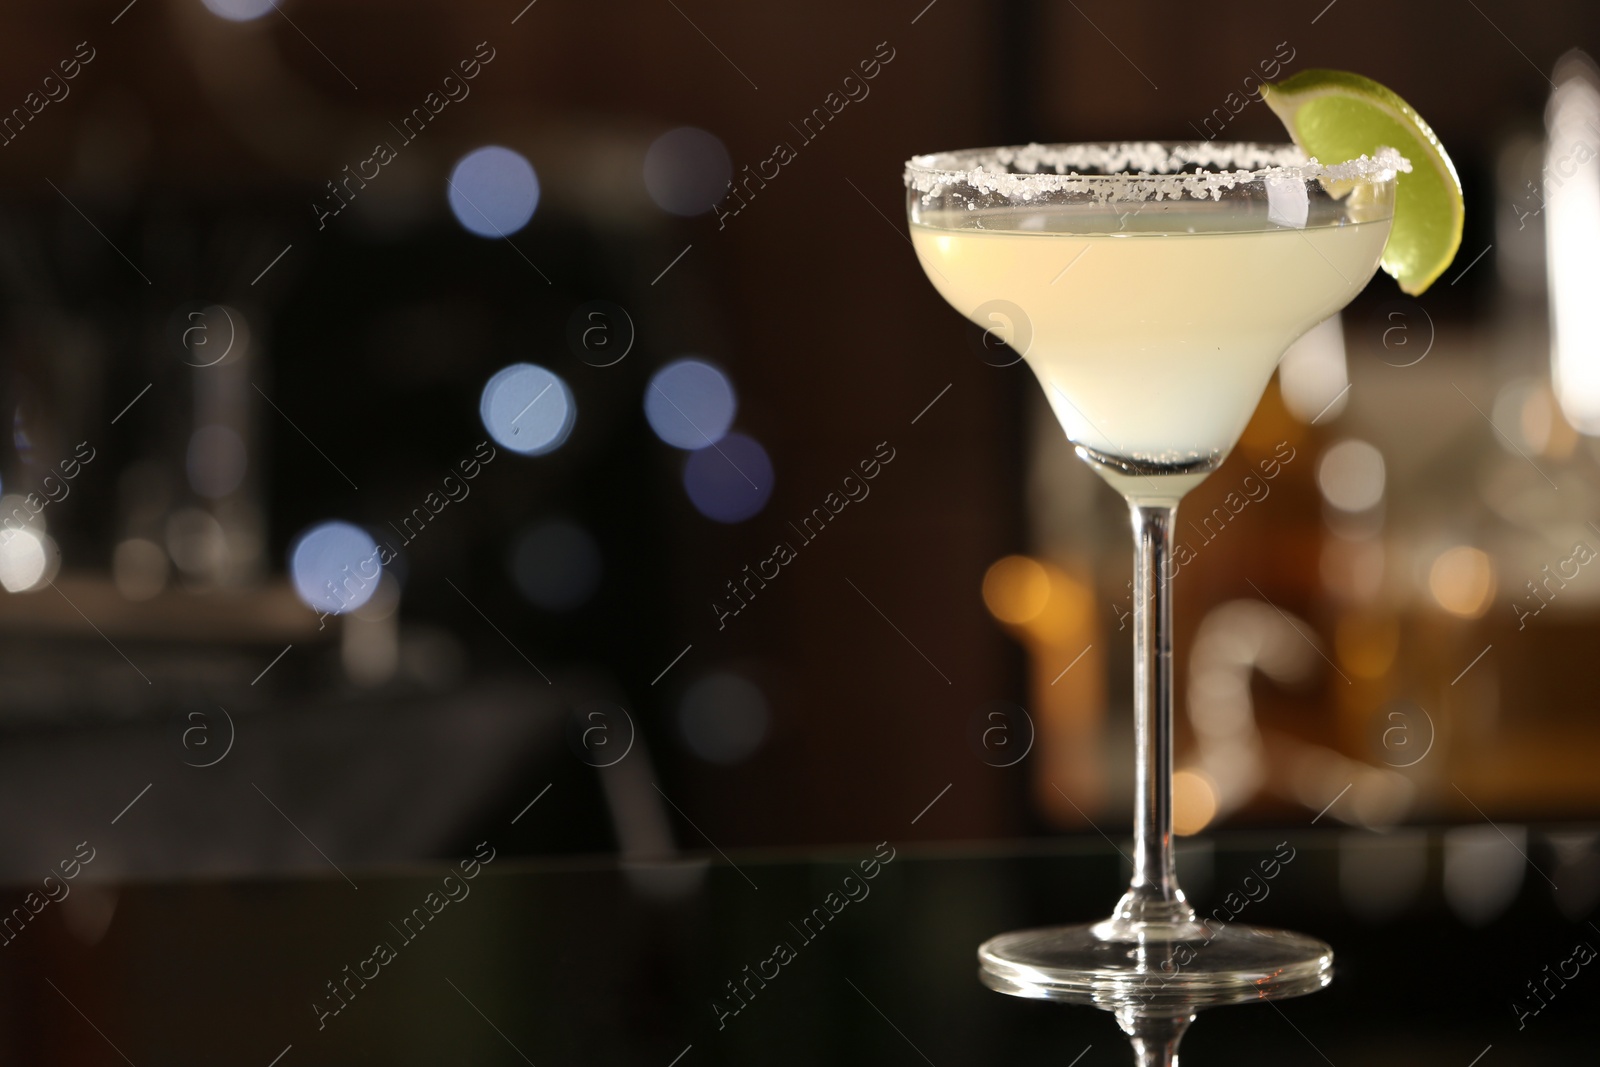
(24, 558)
(527, 409)
(1351, 476)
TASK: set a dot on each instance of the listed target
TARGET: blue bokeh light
(493, 191)
(528, 409)
(335, 567)
(731, 481)
(239, 10)
(690, 404)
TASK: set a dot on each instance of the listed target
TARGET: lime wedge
(1335, 115)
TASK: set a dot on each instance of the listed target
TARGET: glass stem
(1154, 1039)
(1153, 895)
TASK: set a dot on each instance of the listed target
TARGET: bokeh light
(139, 568)
(369, 643)
(15, 511)
(1353, 568)
(1194, 802)
(24, 559)
(52, 561)
(1367, 644)
(556, 564)
(239, 10)
(1351, 476)
(197, 544)
(730, 482)
(1571, 194)
(1462, 581)
(527, 409)
(724, 718)
(686, 171)
(1313, 377)
(690, 404)
(1525, 414)
(334, 567)
(216, 461)
(1016, 589)
(493, 191)
(1484, 868)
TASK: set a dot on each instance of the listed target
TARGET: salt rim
(1134, 170)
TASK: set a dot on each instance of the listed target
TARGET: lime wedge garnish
(1335, 115)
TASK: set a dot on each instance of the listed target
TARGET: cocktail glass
(1153, 288)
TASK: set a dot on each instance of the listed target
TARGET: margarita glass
(1153, 288)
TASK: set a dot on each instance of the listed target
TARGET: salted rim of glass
(1136, 170)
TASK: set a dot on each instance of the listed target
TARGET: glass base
(1155, 968)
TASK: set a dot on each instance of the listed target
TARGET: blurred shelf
(86, 606)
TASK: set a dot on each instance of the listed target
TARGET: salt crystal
(1138, 171)
(1288, 204)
